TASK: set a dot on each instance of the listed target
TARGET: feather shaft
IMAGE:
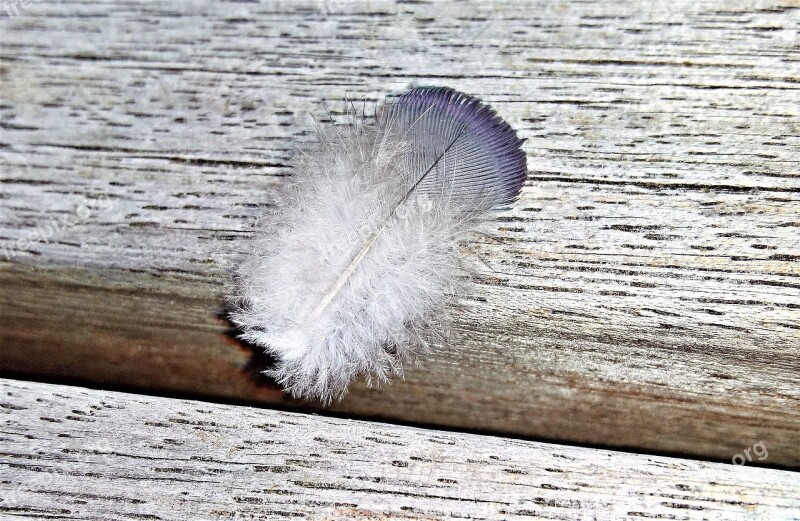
(341, 281)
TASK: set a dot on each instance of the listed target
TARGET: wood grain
(79, 454)
(644, 292)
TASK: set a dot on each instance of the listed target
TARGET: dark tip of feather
(493, 166)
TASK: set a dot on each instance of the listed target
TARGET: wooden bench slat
(75, 453)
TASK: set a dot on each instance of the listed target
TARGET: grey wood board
(73, 453)
(647, 279)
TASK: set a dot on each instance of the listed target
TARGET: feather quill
(351, 273)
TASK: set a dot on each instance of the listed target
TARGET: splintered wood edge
(88, 454)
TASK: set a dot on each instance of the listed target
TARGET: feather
(352, 272)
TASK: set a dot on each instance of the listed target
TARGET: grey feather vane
(353, 271)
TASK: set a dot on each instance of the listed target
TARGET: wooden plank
(643, 293)
(80, 454)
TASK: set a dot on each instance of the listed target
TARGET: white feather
(352, 272)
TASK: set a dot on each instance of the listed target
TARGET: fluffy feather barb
(352, 272)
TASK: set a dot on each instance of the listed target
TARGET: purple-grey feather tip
(472, 148)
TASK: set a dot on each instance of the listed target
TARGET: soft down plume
(351, 273)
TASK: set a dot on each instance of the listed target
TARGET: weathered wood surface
(643, 293)
(73, 453)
